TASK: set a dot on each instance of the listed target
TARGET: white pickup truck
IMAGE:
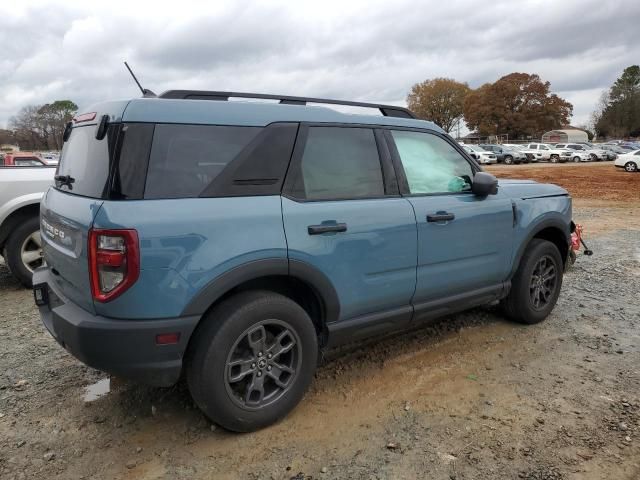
(21, 189)
(548, 152)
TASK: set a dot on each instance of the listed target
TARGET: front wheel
(252, 360)
(536, 284)
(576, 159)
(630, 167)
(23, 250)
(555, 158)
(508, 160)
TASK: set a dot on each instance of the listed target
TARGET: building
(571, 135)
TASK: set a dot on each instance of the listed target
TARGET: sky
(351, 50)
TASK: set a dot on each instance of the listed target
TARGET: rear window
(86, 161)
(186, 158)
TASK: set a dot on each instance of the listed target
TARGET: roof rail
(386, 110)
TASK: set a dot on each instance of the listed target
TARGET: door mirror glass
(484, 184)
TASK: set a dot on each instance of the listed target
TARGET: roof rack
(386, 110)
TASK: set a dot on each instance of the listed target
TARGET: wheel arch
(553, 230)
(14, 219)
(297, 280)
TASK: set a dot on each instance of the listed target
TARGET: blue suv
(232, 241)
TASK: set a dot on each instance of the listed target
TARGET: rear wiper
(64, 180)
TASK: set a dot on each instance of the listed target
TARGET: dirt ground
(470, 397)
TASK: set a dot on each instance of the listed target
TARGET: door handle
(440, 217)
(326, 227)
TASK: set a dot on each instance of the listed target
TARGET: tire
(520, 305)
(594, 158)
(576, 159)
(227, 395)
(554, 159)
(508, 160)
(630, 167)
(24, 244)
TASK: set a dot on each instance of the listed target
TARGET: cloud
(359, 50)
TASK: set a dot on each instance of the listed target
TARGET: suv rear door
(344, 217)
(464, 241)
(67, 210)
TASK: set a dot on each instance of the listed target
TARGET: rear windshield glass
(85, 161)
(186, 158)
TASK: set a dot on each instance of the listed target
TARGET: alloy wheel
(630, 167)
(543, 282)
(263, 364)
(31, 251)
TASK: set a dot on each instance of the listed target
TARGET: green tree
(439, 100)
(518, 104)
(620, 114)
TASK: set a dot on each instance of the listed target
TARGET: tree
(439, 100)
(39, 127)
(620, 114)
(518, 104)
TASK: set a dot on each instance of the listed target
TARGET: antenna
(145, 93)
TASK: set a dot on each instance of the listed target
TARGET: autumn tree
(440, 100)
(618, 112)
(518, 104)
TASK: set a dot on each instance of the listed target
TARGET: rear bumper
(125, 348)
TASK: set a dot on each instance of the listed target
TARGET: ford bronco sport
(231, 241)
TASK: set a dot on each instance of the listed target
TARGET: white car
(481, 155)
(533, 155)
(550, 153)
(595, 153)
(629, 161)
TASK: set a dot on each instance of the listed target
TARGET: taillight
(114, 262)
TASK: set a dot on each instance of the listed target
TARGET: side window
(186, 158)
(431, 164)
(543, 147)
(339, 163)
(533, 147)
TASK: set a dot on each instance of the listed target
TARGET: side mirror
(484, 184)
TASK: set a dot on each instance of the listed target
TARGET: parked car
(533, 155)
(481, 155)
(601, 153)
(595, 154)
(233, 241)
(549, 152)
(23, 159)
(50, 158)
(615, 149)
(20, 191)
(629, 161)
(505, 154)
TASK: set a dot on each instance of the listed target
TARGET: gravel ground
(470, 397)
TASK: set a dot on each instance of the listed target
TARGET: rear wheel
(252, 361)
(536, 285)
(630, 167)
(23, 250)
(555, 158)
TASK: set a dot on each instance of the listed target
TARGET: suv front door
(344, 218)
(464, 241)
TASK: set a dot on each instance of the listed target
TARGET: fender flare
(549, 222)
(256, 269)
